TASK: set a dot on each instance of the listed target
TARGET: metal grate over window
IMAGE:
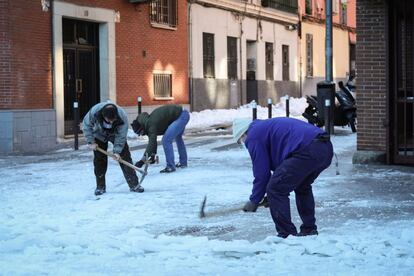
(164, 12)
(269, 60)
(162, 85)
(208, 55)
(309, 55)
(232, 58)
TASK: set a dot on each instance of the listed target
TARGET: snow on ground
(51, 223)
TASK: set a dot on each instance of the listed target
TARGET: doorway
(80, 68)
(401, 91)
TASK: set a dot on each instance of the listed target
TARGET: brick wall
(371, 75)
(25, 55)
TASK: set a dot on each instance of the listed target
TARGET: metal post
(139, 105)
(269, 108)
(76, 124)
(254, 109)
(327, 116)
(328, 42)
(287, 107)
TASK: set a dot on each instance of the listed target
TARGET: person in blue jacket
(296, 152)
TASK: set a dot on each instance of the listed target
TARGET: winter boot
(303, 233)
(179, 165)
(100, 190)
(167, 170)
(137, 189)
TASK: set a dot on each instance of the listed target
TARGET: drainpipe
(299, 30)
(190, 55)
(52, 59)
(241, 60)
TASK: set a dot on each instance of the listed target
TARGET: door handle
(79, 88)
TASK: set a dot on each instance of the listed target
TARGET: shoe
(179, 165)
(307, 233)
(137, 189)
(167, 170)
(284, 236)
(100, 191)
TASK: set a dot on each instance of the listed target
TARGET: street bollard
(76, 124)
(254, 109)
(327, 117)
(269, 108)
(287, 106)
(139, 105)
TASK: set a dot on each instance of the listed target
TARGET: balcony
(284, 5)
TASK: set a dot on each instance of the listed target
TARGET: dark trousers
(100, 162)
(297, 173)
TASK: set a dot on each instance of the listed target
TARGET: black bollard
(139, 105)
(76, 124)
(254, 109)
(269, 108)
(287, 107)
(328, 118)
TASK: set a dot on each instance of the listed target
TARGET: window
(284, 5)
(269, 60)
(343, 13)
(162, 85)
(164, 12)
(208, 55)
(285, 62)
(335, 8)
(309, 55)
(308, 7)
(231, 58)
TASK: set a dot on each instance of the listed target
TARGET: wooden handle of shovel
(121, 160)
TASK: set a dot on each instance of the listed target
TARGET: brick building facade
(119, 51)
(384, 67)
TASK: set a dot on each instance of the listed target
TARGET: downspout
(241, 61)
(299, 30)
(52, 52)
(190, 55)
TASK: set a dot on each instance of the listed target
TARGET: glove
(116, 156)
(139, 164)
(250, 206)
(92, 146)
(152, 159)
(265, 202)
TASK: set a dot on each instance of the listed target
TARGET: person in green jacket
(169, 121)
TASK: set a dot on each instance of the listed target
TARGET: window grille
(232, 58)
(309, 55)
(269, 60)
(164, 12)
(162, 85)
(208, 55)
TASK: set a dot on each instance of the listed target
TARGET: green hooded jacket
(156, 123)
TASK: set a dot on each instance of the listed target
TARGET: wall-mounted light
(291, 27)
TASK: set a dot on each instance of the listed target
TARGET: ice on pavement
(51, 223)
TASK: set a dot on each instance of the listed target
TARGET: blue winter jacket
(271, 141)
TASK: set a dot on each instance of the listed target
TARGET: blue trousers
(297, 173)
(175, 132)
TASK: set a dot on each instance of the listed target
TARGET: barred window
(231, 58)
(162, 85)
(164, 12)
(269, 60)
(309, 55)
(208, 55)
(308, 7)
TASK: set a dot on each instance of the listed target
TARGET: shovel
(202, 214)
(122, 161)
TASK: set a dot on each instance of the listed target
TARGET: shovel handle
(121, 161)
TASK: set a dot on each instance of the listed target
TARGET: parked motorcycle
(344, 109)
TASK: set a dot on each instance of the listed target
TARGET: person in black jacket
(169, 121)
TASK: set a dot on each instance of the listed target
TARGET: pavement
(373, 194)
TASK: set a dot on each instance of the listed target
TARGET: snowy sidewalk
(53, 224)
